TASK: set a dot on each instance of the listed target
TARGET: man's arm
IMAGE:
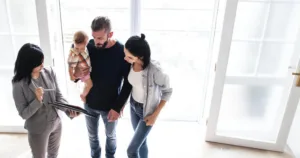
(125, 91)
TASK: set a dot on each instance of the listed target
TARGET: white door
(255, 94)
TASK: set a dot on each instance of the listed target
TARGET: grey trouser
(48, 141)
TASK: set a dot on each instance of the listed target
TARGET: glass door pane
(18, 26)
(7, 51)
(282, 24)
(86, 11)
(23, 16)
(179, 35)
(9, 115)
(4, 27)
(251, 111)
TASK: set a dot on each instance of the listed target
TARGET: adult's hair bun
(143, 36)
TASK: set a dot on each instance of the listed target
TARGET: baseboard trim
(12, 129)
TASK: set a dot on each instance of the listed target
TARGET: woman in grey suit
(34, 87)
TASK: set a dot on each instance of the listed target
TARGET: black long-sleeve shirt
(109, 69)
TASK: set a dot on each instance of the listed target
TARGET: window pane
(275, 59)
(21, 40)
(96, 4)
(4, 27)
(250, 18)
(242, 58)
(27, 22)
(219, 25)
(220, 15)
(165, 49)
(185, 66)
(178, 4)
(6, 51)
(121, 36)
(284, 21)
(116, 10)
(24, 21)
(179, 34)
(9, 114)
(119, 17)
(252, 114)
(192, 20)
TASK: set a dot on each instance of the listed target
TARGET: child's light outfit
(80, 61)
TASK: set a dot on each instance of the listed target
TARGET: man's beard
(101, 46)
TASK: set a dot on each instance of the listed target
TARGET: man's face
(101, 37)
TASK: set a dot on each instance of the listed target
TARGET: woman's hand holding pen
(39, 92)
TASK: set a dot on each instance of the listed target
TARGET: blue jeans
(138, 146)
(92, 125)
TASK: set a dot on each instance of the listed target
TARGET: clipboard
(72, 107)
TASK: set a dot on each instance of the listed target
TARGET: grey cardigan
(157, 87)
(29, 108)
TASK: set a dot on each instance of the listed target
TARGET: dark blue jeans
(92, 125)
(138, 146)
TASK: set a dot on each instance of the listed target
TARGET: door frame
(219, 81)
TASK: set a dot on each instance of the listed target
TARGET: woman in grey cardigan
(150, 91)
(34, 87)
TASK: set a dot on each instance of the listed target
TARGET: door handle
(298, 78)
(296, 73)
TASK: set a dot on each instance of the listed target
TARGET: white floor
(166, 140)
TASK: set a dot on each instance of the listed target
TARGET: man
(106, 98)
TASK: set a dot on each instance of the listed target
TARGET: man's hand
(150, 120)
(112, 115)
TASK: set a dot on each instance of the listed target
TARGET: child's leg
(87, 87)
(88, 84)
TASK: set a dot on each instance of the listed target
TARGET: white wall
(294, 137)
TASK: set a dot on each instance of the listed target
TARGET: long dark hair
(29, 57)
(140, 48)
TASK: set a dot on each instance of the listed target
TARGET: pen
(49, 90)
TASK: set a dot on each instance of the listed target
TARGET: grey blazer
(29, 108)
